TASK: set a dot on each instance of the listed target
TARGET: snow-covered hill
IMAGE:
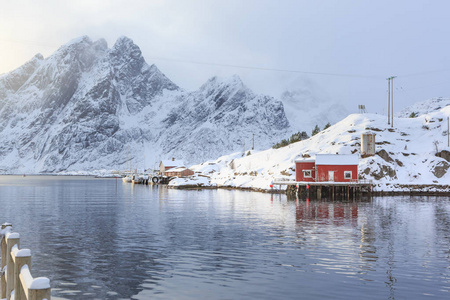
(406, 154)
(424, 107)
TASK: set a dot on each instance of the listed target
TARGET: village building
(328, 168)
(174, 168)
(179, 172)
(165, 165)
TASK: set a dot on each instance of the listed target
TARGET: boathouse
(328, 168)
(179, 172)
(165, 165)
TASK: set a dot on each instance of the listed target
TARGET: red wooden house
(328, 167)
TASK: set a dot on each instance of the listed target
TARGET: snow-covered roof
(337, 159)
(301, 159)
(172, 163)
(178, 169)
(369, 132)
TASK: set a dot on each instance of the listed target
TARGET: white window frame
(346, 173)
(307, 171)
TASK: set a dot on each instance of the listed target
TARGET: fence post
(17, 264)
(21, 260)
(39, 294)
(3, 264)
(12, 239)
(3, 281)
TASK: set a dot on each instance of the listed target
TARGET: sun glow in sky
(268, 43)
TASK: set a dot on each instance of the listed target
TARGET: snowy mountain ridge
(89, 107)
(424, 107)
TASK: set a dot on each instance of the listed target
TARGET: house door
(330, 175)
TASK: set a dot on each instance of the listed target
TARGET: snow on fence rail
(16, 280)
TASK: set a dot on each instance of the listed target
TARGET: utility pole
(253, 142)
(389, 100)
(392, 101)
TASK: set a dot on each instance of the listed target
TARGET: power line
(422, 87)
(219, 64)
(29, 43)
(26, 42)
(267, 69)
(424, 73)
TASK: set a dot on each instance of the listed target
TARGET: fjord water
(104, 239)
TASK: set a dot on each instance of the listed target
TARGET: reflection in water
(340, 213)
(102, 239)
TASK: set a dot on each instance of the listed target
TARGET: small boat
(127, 178)
(137, 179)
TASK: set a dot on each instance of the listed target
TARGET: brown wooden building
(165, 165)
(179, 172)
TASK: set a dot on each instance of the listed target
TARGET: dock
(329, 189)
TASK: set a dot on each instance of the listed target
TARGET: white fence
(16, 280)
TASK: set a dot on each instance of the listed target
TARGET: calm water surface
(104, 239)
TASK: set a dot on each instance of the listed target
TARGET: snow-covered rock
(194, 181)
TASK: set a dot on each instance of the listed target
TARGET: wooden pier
(16, 280)
(329, 189)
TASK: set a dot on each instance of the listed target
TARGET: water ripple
(101, 239)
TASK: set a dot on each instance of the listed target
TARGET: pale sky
(369, 40)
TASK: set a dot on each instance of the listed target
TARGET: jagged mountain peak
(74, 46)
(38, 56)
(221, 85)
(15, 79)
(124, 40)
(126, 46)
(84, 39)
(100, 45)
(34, 61)
(218, 80)
(82, 44)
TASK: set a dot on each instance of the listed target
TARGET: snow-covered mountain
(307, 105)
(221, 117)
(90, 107)
(412, 155)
